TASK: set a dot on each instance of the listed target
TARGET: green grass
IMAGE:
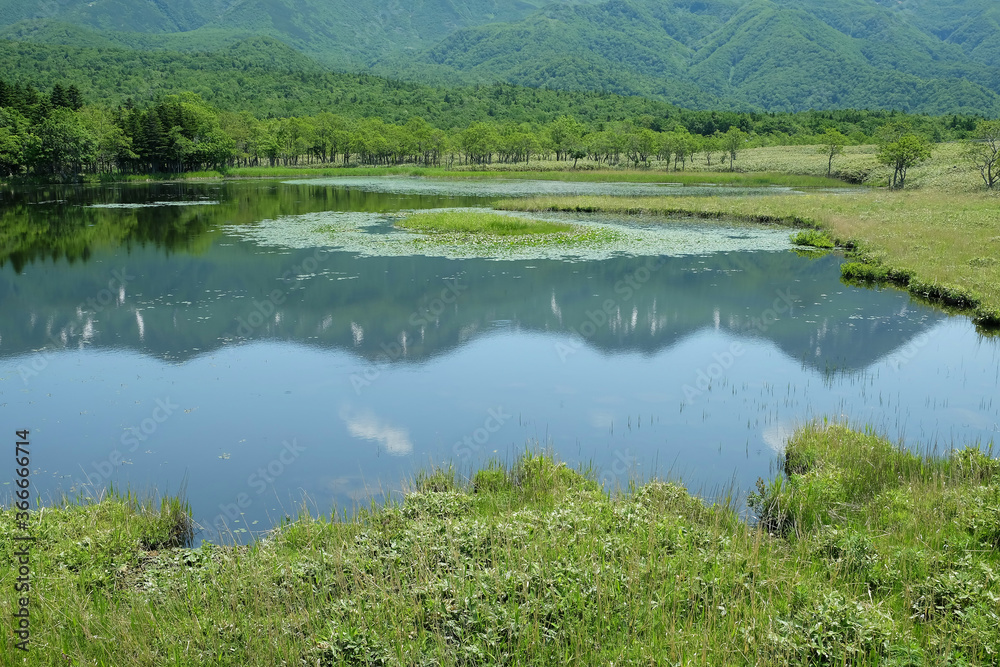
(479, 222)
(486, 234)
(863, 554)
(813, 238)
(629, 176)
(541, 170)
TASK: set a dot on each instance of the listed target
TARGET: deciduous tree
(901, 150)
(983, 149)
(733, 141)
(833, 145)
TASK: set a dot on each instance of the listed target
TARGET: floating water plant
(545, 236)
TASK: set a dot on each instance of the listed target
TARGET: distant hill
(269, 78)
(913, 55)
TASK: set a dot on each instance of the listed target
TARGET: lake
(264, 345)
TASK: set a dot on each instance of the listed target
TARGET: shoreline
(861, 552)
(879, 257)
(559, 171)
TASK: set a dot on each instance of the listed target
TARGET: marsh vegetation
(480, 223)
(859, 552)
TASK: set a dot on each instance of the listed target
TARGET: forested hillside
(972, 25)
(269, 79)
(912, 55)
(770, 54)
(338, 33)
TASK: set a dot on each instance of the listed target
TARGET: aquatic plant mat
(863, 554)
(566, 237)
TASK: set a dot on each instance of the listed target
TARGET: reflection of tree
(388, 299)
(58, 222)
(30, 232)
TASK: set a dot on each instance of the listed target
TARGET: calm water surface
(219, 338)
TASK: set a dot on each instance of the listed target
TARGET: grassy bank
(563, 171)
(791, 166)
(541, 170)
(865, 554)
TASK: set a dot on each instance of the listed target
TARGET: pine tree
(152, 140)
(58, 97)
(74, 98)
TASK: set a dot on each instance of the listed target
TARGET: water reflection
(66, 222)
(408, 309)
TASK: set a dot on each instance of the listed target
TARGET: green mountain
(128, 15)
(268, 78)
(771, 54)
(972, 25)
(616, 46)
(338, 33)
(913, 55)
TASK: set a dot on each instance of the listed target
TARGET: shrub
(814, 238)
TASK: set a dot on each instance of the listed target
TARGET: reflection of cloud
(653, 397)
(974, 419)
(353, 488)
(368, 426)
(776, 437)
(601, 419)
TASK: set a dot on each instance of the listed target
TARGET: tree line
(59, 135)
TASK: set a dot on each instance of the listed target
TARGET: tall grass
(863, 554)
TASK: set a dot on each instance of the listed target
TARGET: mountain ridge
(774, 55)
